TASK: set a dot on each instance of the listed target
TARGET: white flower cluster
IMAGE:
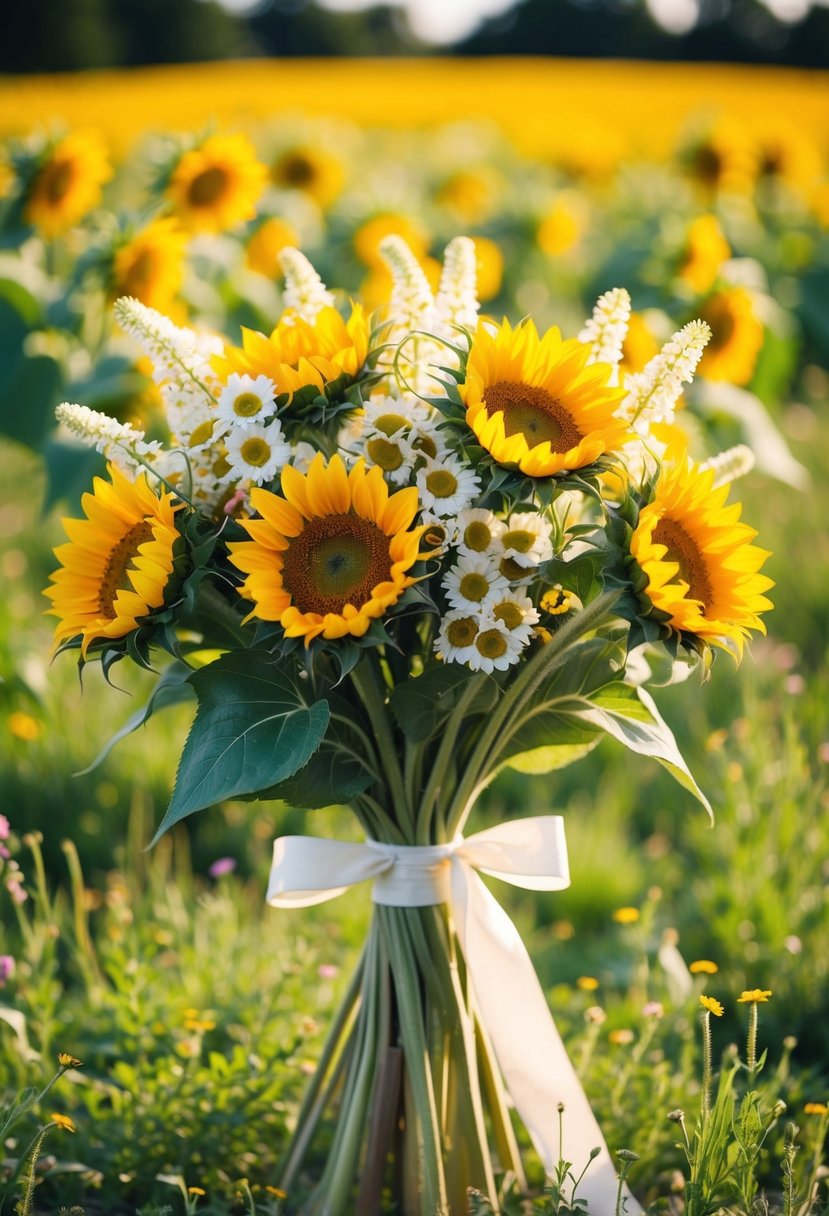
(607, 328)
(305, 293)
(729, 465)
(491, 617)
(122, 444)
(653, 393)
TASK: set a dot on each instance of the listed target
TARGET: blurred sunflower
(471, 193)
(721, 158)
(267, 242)
(489, 267)
(300, 354)
(330, 555)
(701, 567)
(117, 564)
(67, 182)
(216, 185)
(737, 335)
(534, 402)
(562, 227)
(313, 171)
(640, 344)
(149, 266)
(705, 251)
(371, 234)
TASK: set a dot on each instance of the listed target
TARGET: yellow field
(545, 106)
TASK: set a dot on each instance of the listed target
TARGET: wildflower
(123, 445)
(729, 465)
(196, 1190)
(703, 966)
(587, 983)
(328, 971)
(332, 553)
(68, 1061)
(712, 1005)
(276, 1192)
(222, 866)
(754, 996)
(7, 968)
(595, 1015)
(473, 581)
(605, 331)
(446, 485)
(257, 451)
(676, 1116)
(117, 565)
(516, 613)
(621, 1037)
(5, 828)
(456, 302)
(23, 726)
(653, 1009)
(494, 648)
(305, 292)
(456, 636)
(216, 185)
(652, 394)
(526, 540)
(626, 916)
(627, 1154)
(816, 1108)
(63, 1122)
(246, 399)
(478, 531)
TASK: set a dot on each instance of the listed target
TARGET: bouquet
(391, 555)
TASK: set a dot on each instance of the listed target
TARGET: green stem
(366, 682)
(751, 1046)
(707, 1050)
(444, 759)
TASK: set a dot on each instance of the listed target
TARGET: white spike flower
(412, 302)
(246, 399)
(478, 531)
(607, 328)
(305, 292)
(526, 541)
(456, 303)
(653, 392)
(473, 582)
(123, 445)
(446, 485)
(259, 452)
(729, 465)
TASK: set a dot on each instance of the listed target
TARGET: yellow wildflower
(587, 983)
(712, 1005)
(626, 916)
(63, 1122)
(754, 996)
(816, 1108)
(703, 966)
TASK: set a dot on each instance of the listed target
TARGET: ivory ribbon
(529, 853)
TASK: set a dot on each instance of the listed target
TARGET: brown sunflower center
(721, 320)
(682, 549)
(295, 169)
(139, 274)
(708, 164)
(207, 187)
(335, 560)
(114, 577)
(55, 180)
(534, 413)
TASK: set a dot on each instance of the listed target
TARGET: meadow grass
(197, 1011)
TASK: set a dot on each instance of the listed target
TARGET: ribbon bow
(529, 853)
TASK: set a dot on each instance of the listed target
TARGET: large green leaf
(254, 728)
(332, 777)
(422, 704)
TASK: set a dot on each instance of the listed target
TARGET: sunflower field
(171, 237)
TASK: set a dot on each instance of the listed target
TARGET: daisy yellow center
(247, 405)
(56, 180)
(114, 577)
(510, 569)
(220, 467)
(335, 560)
(441, 483)
(520, 540)
(462, 632)
(510, 614)
(682, 549)
(474, 587)
(255, 451)
(534, 413)
(207, 187)
(477, 536)
(390, 424)
(386, 454)
(202, 433)
(426, 445)
(491, 644)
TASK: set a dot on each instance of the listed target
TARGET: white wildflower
(412, 302)
(123, 445)
(456, 637)
(494, 648)
(473, 582)
(305, 293)
(259, 452)
(446, 485)
(653, 392)
(456, 303)
(526, 541)
(246, 399)
(607, 328)
(516, 613)
(302, 454)
(729, 465)
(478, 531)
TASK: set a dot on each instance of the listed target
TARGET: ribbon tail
(532, 1058)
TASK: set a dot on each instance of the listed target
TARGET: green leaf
(630, 715)
(332, 777)
(423, 703)
(253, 729)
(173, 688)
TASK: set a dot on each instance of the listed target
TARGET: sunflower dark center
(56, 180)
(294, 170)
(683, 549)
(115, 575)
(534, 413)
(140, 273)
(721, 320)
(207, 187)
(708, 164)
(335, 560)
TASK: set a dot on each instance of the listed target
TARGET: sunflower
(705, 251)
(149, 267)
(702, 569)
(117, 564)
(721, 158)
(267, 242)
(215, 186)
(562, 227)
(67, 184)
(300, 354)
(369, 237)
(331, 554)
(310, 170)
(533, 402)
(737, 335)
(489, 267)
(640, 344)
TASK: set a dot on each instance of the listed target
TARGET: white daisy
(246, 400)
(395, 455)
(473, 582)
(258, 452)
(390, 415)
(478, 531)
(526, 539)
(494, 648)
(455, 642)
(516, 613)
(446, 486)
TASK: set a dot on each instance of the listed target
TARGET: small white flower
(526, 539)
(390, 415)
(516, 613)
(395, 455)
(478, 531)
(607, 328)
(474, 582)
(455, 642)
(259, 452)
(302, 454)
(494, 648)
(446, 486)
(246, 400)
(305, 292)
